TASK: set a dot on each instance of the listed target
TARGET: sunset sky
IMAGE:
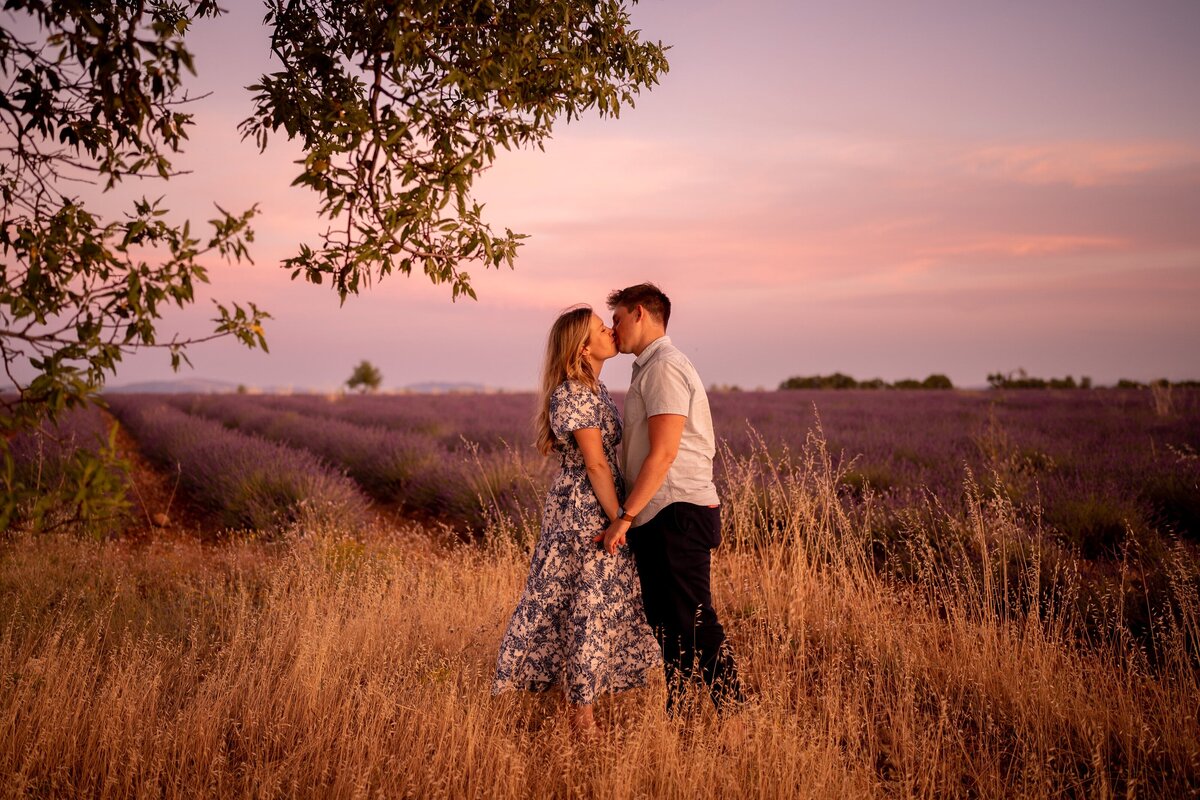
(885, 189)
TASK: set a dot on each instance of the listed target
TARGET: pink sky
(885, 189)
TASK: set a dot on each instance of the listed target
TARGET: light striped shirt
(665, 382)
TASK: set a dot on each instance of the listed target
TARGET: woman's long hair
(564, 361)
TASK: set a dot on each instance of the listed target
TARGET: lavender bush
(51, 459)
(43, 451)
(387, 464)
(244, 481)
(489, 421)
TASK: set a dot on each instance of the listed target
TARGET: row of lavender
(241, 482)
(251, 462)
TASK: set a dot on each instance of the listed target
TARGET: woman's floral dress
(580, 622)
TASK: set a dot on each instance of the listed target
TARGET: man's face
(625, 328)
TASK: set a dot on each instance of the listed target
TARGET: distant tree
(835, 381)
(397, 107)
(1022, 380)
(365, 378)
(1126, 383)
(839, 380)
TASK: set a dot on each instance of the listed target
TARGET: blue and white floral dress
(580, 622)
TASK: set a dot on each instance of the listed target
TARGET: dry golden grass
(360, 667)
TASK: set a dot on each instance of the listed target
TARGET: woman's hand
(614, 536)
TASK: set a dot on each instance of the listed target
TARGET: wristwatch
(624, 515)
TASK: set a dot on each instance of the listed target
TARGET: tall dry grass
(359, 666)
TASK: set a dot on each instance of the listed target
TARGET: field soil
(157, 504)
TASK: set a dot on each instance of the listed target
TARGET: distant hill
(180, 386)
(206, 386)
(436, 387)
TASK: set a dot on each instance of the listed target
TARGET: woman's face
(601, 343)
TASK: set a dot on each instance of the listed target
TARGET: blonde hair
(564, 362)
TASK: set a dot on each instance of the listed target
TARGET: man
(671, 515)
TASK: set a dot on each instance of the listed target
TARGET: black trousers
(673, 552)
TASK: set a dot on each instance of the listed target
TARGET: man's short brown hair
(646, 295)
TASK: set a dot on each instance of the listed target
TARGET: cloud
(1025, 246)
(1077, 163)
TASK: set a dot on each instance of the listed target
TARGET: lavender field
(1094, 466)
(932, 594)
(1107, 479)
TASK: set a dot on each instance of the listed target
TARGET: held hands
(613, 536)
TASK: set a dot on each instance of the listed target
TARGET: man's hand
(613, 536)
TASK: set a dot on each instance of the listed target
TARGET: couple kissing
(619, 582)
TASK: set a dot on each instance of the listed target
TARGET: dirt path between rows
(158, 503)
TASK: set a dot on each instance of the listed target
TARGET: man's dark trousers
(673, 552)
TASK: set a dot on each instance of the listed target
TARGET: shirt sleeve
(573, 406)
(666, 390)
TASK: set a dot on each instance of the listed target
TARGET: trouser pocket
(700, 525)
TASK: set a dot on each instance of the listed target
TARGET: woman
(580, 623)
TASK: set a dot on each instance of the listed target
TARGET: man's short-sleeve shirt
(665, 382)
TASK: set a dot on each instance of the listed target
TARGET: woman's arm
(666, 432)
(591, 444)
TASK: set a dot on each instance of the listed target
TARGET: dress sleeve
(573, 406)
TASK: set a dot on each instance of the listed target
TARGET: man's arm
(666, 431)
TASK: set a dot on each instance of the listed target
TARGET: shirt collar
(650, 350)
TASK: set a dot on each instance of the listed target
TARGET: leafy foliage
(78, 454)
(399, 107)
(90, 96)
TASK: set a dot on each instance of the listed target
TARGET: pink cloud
(1025, 246)
(1078, 163)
